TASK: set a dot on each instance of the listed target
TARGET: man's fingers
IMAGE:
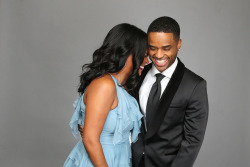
(80, 129)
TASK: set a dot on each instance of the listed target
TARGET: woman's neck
(121, 77)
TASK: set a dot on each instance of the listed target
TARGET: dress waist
(108, 138)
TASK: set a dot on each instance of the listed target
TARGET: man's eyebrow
(167, 46)
(151, 46)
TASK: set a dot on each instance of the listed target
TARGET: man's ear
(179, 44)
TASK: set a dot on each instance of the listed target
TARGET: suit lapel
(167, 96)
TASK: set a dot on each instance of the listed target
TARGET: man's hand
(80, 128)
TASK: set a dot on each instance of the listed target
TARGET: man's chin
(161, 68)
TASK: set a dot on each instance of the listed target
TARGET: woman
(105, 109)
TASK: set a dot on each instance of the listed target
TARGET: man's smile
(161, 62)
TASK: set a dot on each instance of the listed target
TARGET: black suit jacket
(177, 127)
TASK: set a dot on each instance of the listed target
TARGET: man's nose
(159, 54)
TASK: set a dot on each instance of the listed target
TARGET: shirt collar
(168, 72)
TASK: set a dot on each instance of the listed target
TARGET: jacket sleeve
(194, 127)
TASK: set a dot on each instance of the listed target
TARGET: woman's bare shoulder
(103, 84)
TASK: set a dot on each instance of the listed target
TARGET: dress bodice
(121, 121)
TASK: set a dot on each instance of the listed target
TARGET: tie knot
(159, 77)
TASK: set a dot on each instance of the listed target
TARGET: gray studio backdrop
(43, 44)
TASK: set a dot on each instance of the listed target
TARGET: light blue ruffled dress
(120, 122)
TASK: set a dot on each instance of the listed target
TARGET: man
(173, 100)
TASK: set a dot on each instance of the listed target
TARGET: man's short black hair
(165, 24)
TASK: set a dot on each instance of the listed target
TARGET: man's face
(163, 49)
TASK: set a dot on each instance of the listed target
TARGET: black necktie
(154, 97)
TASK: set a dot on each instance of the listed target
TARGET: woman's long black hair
(121, 41)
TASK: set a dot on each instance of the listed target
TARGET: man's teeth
(161, 61)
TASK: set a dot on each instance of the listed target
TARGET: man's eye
(151, 48)
(166, 48)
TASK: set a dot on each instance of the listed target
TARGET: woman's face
(129, 65)
(145, 62)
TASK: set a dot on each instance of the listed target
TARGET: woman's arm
(100, 98)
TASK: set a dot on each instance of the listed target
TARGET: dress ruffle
(126, 117)
(131, 115)
(78, 116)
(78, 157)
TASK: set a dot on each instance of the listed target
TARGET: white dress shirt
(148, 82)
